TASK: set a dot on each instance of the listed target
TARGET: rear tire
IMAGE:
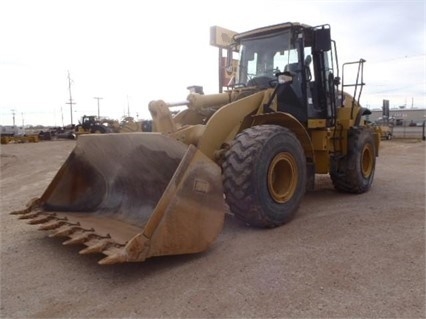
(355, 171)
(264, 175)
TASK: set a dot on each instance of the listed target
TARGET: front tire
(355, 172)
(264, 175)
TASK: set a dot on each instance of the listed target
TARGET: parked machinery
(91, 124)
(257, 147)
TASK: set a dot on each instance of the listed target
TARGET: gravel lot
(343, 256)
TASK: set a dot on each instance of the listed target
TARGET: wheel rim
(282, 177)
(367, 160)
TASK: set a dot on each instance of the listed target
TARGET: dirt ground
(343, 256)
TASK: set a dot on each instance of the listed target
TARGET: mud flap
(133, 196)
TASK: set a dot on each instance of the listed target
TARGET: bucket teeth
(52, 225)
(19, 212)
(79, 239)
(118, 257)
(29, 215)
(97, 247)
(22, 211)
(34, 204)
(64, 231)
(41, 219)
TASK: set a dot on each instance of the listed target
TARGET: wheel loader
(129, 124)
(91, 124)
(252, 149)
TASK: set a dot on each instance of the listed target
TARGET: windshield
(264, 56)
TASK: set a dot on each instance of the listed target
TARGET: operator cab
(303, 53)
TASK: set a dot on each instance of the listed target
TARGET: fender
(224, 125)
(290, 122)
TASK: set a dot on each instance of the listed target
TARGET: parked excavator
(254, 147)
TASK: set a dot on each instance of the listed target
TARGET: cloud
(154, 50)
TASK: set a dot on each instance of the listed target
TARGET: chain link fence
(409, 130)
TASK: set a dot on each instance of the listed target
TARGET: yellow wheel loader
(129, 125)
(255, 147)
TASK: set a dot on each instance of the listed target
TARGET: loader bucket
(132, 196)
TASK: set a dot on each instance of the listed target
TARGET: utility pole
(98, 98)
(70, 102)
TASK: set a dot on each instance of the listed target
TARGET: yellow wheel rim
(367, 160)
(282, 177)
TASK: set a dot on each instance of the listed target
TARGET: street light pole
(98, 98)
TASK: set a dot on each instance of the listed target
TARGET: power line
(406, 57)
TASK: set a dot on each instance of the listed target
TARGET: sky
(132, 52)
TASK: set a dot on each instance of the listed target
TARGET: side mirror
(322, 40)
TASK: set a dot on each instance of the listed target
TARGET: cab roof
(267, 29)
